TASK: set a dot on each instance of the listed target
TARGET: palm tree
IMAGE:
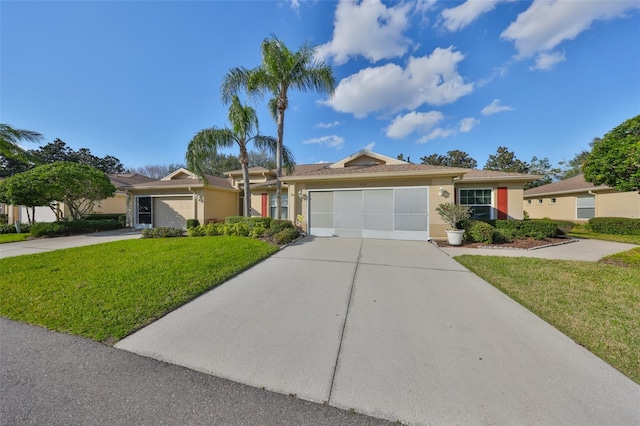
(244, 123)
(280, 70)
(10, 139)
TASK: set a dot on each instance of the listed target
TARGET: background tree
(78, 186)
(280, 71)
(573, 167)
(506, 161)
(615, 159)
(453, 158)
(10, 139)
(244, 129)
(542, 166)
(23, 190)
(156, 171)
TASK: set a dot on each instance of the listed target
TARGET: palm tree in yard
(10, 139)
(244, 129)
(280, 70)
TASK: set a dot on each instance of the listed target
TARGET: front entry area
(399, 213)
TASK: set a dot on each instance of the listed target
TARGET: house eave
(375, 176)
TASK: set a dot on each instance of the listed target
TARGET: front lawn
(595, 304)
(581, 232)
(12, 238)
(630, 258)
(106, 291)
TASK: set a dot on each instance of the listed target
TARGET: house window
(585, 207)
(479, 200)
(528, 202)
(539, 200)
(552, 201)
(144, 211)
(284, 207)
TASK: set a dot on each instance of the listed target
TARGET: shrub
(535, 228)
(615, 225)
(103, 216)
(214, 229)
(11, 229)
(192, 223)
(162, 232)
(234, 219)
(564, 226)
(257, 231)
(285, 236)
(265, 222)
(502, 236)
(197, 231)
(453, 214)
(123, 220)
(278, 225)
(478, 232)
(49, 229)
(4, 218)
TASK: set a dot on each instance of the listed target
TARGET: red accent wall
(265, 205)
(503, 203)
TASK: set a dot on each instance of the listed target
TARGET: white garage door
(389, 213)
(42, 214)
(172, 211)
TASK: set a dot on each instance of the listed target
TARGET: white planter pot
(454, 237)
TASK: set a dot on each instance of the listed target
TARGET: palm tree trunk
(279, 162)
(244, 160)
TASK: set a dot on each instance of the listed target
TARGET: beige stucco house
(577, 200)
(364, 195)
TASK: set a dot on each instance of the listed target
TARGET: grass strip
(583, 233)
(12, 238)
(106, 291)
(595, 304)
(630, 258)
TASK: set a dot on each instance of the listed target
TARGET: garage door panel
(411, 200)
(380, 221)
(409, 222)
(172, 211)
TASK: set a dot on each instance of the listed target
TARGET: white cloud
(432, 80)
(464, 126)
(545, 24)
(495, 107)
(546, 61)
(369, 29)
(421, 122)
(369, 147)
(333, 141)
(456, 18)
(326, 125)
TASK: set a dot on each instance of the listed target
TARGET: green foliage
(615, 225)
(11, 229)
(10, 139)
(257, 231)
(564, 226)
(278, 225)
(543, 167)
(453, 214)
(506, 161)
(573, 167)
(501, 236)
(477, 231)
(285, 236)
(535, 228)
(630, 258)
(103, 216)
(453, 158)
(52, 229)
(192, 223)
(614, 159)
(4, 218)
(234, 219)
(162, 232)
(25, 189)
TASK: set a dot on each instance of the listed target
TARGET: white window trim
(576, 205)
(492, 211)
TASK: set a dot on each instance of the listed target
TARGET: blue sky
(138, 79)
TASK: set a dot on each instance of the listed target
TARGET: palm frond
(233, 82)
(204, 145)
(10, 139)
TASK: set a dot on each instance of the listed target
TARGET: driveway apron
(392, 329)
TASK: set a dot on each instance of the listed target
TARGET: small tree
(78, 186)
(453, 213)
(506, 161)
(615, 159)
(22, 190)
(453, 158)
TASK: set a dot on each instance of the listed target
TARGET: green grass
(581, 232)
(105, 292)
(630, 258)
(12, 238)
(596, 304)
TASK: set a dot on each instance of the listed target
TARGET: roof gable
(365, 158)
(181, 173)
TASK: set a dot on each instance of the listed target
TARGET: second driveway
(393, 329)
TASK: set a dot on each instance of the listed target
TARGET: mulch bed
(522, 244)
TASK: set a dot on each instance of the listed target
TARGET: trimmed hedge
(162, 232)
(11, 229)
(477, 231)
(52, 229)
(282, 231)
(615, 225)
(534, 228)
(104, 216)
(192, 223)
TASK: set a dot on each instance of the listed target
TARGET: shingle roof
(574, 184)
(214, 181)
(125, 179)
(257, 169)
(486, 174)
(325, 170)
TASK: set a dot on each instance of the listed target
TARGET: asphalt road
(57, 379)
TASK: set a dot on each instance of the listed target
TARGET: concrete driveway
(49, 244)
(392, 329)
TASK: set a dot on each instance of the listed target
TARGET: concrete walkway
(581, 249)
(49, 244)
(393, 329)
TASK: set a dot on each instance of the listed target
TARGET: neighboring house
(177, 197)
(113, 205)
(575, 199)
(374, 196)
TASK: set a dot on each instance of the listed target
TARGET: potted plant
(453, 214)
